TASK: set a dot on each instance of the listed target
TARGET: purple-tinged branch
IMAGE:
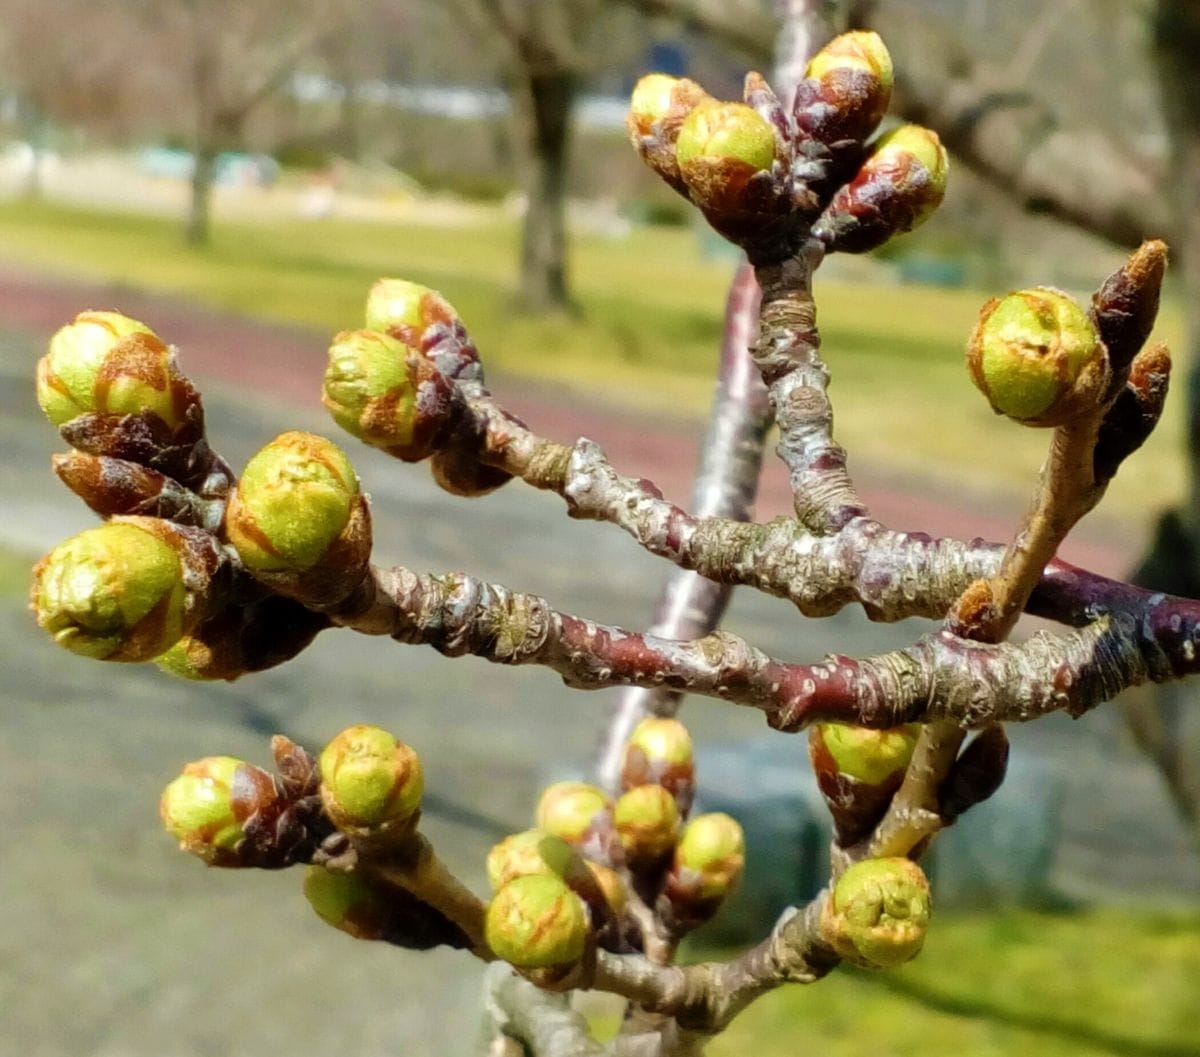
(940, 677)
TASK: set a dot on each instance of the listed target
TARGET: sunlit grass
(994, 984)
(647, 332)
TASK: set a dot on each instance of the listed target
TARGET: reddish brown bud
(659, 752)
(901, 182)
(846, 90)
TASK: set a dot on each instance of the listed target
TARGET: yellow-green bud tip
(646, 819)
(368, 387)
(919, 144)
(714, 847)
(404, 305)
(293, 500)
(113, 592)
(368, 778)
(197, 807)
(1030, 349)
(878, 913)
(569, 809)
(857, 50)
(726, 131)
(109, 363)
(532, 852)
(536, 922)
(662, 740)
(651, 98)
(870, 756)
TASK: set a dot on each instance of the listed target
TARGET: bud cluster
(764, 176)
(394, 385)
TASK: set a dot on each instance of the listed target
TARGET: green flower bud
(385, 393)
(710, 855)
(646, 819)
(531, 852)
(896, 189)
(106, 362)
(537, 922)
(858, 771)
(659, 104)
(848, 89)
(293, 501)
(870, 756)
(725, 132)
(1037, 357)
(572, 810)
(406, 310)
(197, 807)
(856, 50)
(205, 808)
(347, 901)
(878, 913)
(659, 752)
(370, 781)
(116, 592)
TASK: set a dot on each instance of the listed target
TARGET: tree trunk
(204, 168)
(545, 106)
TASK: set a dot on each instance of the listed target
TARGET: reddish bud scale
(897, 187)
(1135, 412)
(116, 486)
(1126, 306)
(243, 637)
(457, 470)
(847, 90)
(977, 773)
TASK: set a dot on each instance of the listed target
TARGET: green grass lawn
(648, 329)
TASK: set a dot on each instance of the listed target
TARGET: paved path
(113, 945)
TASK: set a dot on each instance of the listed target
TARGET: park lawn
(647, 331)
(1097, 983)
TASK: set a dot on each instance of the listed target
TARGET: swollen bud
(708, 859)
(371, 784)
(901, 182)
(858, 771)
(386, 394)
(573, 811)
(531, 852)
(646, 819)
(347, 901)
(657, 108)
(297, 508)
(369, 910)
(108, 363)
(405, 309)
(721, 146)
(207, 806)
(878, 913)
(1037, 357)
(537, 922)
(124, 591)
(659, 752)
(846, 90)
